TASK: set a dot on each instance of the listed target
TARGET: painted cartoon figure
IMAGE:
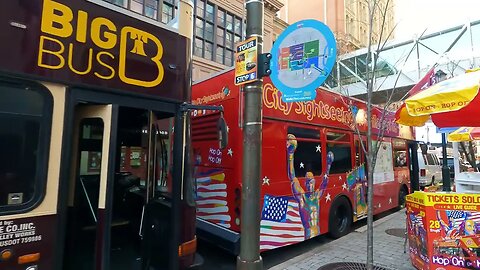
(418, 234)
(356, 181)
(308, 200)
(469, 227)
(455, 225)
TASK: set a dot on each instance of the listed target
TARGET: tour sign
(302, 58)
(246, 65)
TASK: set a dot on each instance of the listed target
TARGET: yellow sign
(246, 61)
(448, 201)
(65, 30)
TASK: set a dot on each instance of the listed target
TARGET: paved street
(388, 249)
(312, 254)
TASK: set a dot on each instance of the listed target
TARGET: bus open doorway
(119, 195)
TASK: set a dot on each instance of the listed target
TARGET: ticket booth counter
(443, 230)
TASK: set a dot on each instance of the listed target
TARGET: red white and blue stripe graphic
(212, 198)
(459, 218)
(281, 224)
(416, 220)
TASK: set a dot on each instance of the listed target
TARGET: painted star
(230, 152)
(318, 149)
(266, 181)
(344, 186)
(302, 165)
(328, 198)
(379, 205)
(340, 178)
(389, 200)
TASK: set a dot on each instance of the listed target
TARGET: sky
(413, 16)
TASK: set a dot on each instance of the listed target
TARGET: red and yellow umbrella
(465, 134)
(450, 103)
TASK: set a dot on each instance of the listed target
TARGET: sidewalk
(388, 249)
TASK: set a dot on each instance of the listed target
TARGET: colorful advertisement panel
(246, 61)
(444, 230)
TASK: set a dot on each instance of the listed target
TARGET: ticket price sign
(444, 230)
(246, 61)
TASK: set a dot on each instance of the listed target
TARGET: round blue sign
(302, 58)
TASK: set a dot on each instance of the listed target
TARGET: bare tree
(373, 146)
(378, 11)
(467, 149)
(373, 80)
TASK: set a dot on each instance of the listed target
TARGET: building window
(167, 11)
(216, 32)
(163, 11)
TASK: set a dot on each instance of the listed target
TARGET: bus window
(162, 147)
(25, 119)
(90, 150)
(399, 154)
(308, 155)
(359, 153)
(339, 144)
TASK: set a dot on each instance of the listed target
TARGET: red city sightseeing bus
(91, 174)
(313, 170)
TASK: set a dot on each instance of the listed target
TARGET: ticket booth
(444, 230)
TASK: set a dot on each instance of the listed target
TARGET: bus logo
(96, 46)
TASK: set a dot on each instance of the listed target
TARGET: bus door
(360, 190)
(92, 164)
(119, 201)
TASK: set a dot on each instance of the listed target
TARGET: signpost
(302, 58)
(246, 65)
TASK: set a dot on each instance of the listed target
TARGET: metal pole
(441, 76)
(181, 134)
(249, 258)
(445, 169)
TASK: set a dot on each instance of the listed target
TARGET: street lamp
(440, 76)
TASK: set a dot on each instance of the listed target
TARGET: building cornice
(273, 5)
(280, 22)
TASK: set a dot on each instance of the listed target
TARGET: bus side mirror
(222, 132)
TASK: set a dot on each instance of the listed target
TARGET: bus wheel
(402, 194)
(340, 218)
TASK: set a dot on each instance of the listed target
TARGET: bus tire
(340, 217)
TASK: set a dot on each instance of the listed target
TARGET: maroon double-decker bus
(94, 170)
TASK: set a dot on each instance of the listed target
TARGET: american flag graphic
(416, 220)
(281, 224)
(459, 218)
(212, 198)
